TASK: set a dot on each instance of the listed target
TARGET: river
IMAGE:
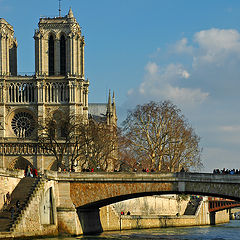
(230, 231)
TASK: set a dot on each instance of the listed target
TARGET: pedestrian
(35, 172)
(8, 198)
(28, 171)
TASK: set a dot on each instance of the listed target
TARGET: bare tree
(160, 137)
(58, 135)
(77, 143)
(100, 146)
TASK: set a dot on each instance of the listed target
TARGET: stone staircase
(24, 192)
(192, 207)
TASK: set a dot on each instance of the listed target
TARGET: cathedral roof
(97, 111)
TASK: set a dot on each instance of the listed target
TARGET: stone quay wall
(9, 179)
(112, 221)
(51, 211)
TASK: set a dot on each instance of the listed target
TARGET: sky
(180, 50)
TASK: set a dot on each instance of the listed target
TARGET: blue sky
(183, 50)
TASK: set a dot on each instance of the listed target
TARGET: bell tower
(59, 47)
(8, 49)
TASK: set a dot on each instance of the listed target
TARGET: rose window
(23, 124)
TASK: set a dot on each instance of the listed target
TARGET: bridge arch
(110, 200)
(97, 190)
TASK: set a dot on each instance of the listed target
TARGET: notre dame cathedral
(57, 87)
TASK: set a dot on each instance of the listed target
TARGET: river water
(230, 231)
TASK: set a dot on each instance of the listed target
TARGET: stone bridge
(90, 191)
(94, 190)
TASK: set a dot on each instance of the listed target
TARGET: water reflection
(229, 231)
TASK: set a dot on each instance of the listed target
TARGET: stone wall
(68, 221)
(8, 181)
(157, 205)
(111, 220)
(32, 221)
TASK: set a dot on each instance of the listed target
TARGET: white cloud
(186, 95)
(182, 47)
(185, 74)
(216, 40)
(215, 46)
(214, 51)
(161, 83)
(152, 68)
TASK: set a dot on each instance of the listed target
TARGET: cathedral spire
(59, 9)
(109, 109)
(109, 102)
(113, 98)
(70, 13)
(114, 110)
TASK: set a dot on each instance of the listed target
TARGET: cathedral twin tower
(57, 88)
(59, 47)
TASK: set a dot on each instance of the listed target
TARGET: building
(57, 88)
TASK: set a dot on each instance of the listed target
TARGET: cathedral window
(51, 55)
(64, 130)
(62, 55)
(52, 129)
(23, 124)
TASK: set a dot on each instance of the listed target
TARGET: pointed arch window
(62, 55)
(51, 55)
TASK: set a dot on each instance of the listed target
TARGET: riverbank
(111, 220)
(47, 209)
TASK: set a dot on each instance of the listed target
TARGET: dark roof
(97, 111)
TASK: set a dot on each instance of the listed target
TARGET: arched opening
(51, 55)
(63, 55)
(20, 163)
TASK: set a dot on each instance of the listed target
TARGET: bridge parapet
(97, 189)
(139, 177)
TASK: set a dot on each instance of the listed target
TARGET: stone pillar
(7, 55)
(82, 58)
(78, 55)
(72, 55)
(3, 55)
(70, 52)
(90, 220)
(68, 221)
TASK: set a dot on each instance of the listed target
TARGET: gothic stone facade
(58, 87)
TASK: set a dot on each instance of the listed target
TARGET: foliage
(158, 136)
